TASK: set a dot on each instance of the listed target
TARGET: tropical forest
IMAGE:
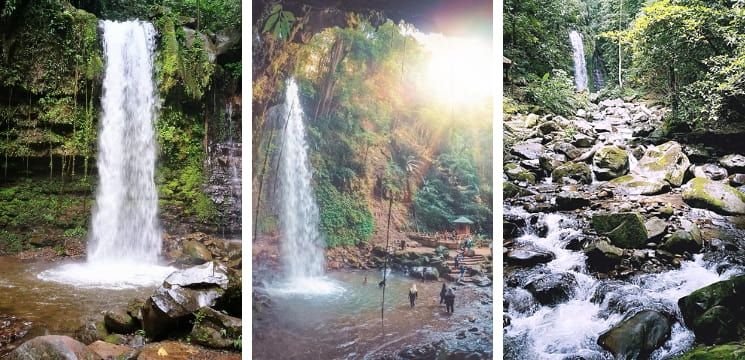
(623, 174)
(372, 167)
(120, 198)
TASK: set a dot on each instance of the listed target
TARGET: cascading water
(125, 223)
(125, 238)
(571, 328)
(302, 244)
(580, 67)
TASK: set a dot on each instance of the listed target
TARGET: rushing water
(302, 244)
(573, 326)
(580, 67)
(125, 237)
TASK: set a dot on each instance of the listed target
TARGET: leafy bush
(555, 93)
(345, 219)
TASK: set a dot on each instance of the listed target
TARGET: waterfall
(580, 68)
(125, 237)
(302, 245)
(125, 223)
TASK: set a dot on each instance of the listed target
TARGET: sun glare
(459, 70)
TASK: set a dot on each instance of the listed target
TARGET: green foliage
(141, 332)
(279, 22)
(536, 34)
(345, 218)
(556, 94)
(238, 343)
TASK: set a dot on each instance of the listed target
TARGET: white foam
(108, 276)
(309, 286)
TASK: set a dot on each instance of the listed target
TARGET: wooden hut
(462, 226)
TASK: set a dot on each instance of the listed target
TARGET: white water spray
(580, 67)
(302, 245)
(125, 238)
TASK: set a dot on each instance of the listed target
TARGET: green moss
(731, 351)
(626, 230)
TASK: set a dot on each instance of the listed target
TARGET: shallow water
(61, 308)
(346, 324)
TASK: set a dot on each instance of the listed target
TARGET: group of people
(446, 295)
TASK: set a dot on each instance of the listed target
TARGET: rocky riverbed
(617, 240)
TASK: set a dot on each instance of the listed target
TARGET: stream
(604, 228)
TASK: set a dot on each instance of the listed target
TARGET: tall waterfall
(125, 223)
(302, 245)
(580, 67)
(125, 237)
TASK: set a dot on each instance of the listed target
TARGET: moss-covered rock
(731, 351)
(625, 230)
(579, 172)
(638, 185)
(610, 162)
(510, 190)
(518, 173)
(602, 256)
(665, 162)
(688, 239)
(718, 197)
(715, 312)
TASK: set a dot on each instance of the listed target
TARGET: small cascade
(224, 164)
(571, 327)
(580, 67)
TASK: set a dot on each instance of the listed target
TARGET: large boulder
(120, 321)
(215, 329)
(53, 347)
(718, 197)
(639, 185)
(91, 332)
(428, 272)
(518, 173)
(602, 256)
(510, 190)
(687, 239)
(709, 171)
(578, 172)
(636, 337)
(735, 163)
(665, 162)
(716, 313)
(610, 162)
(553, 288)
(656, 228)
(529, 150)
(527, 257)
(570, 200)
(183, 293)
(551, 160)
(195, 253)
(626, 230)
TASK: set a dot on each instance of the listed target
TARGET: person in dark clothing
(449, 301)
(381, 284)
(412, 294)
(442, 293)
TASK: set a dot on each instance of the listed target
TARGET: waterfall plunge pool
(59, 307)
(346, 324)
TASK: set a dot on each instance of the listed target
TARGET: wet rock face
(572, 172)
(183, 293)
(637, 336)
(53, 347)
(716, 312)
(718, 197)
(553, 288)
(225, 185)
(734, 163)
(527, 257)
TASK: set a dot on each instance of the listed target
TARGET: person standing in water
(442, 293)
(449, 301)
(412, 294)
